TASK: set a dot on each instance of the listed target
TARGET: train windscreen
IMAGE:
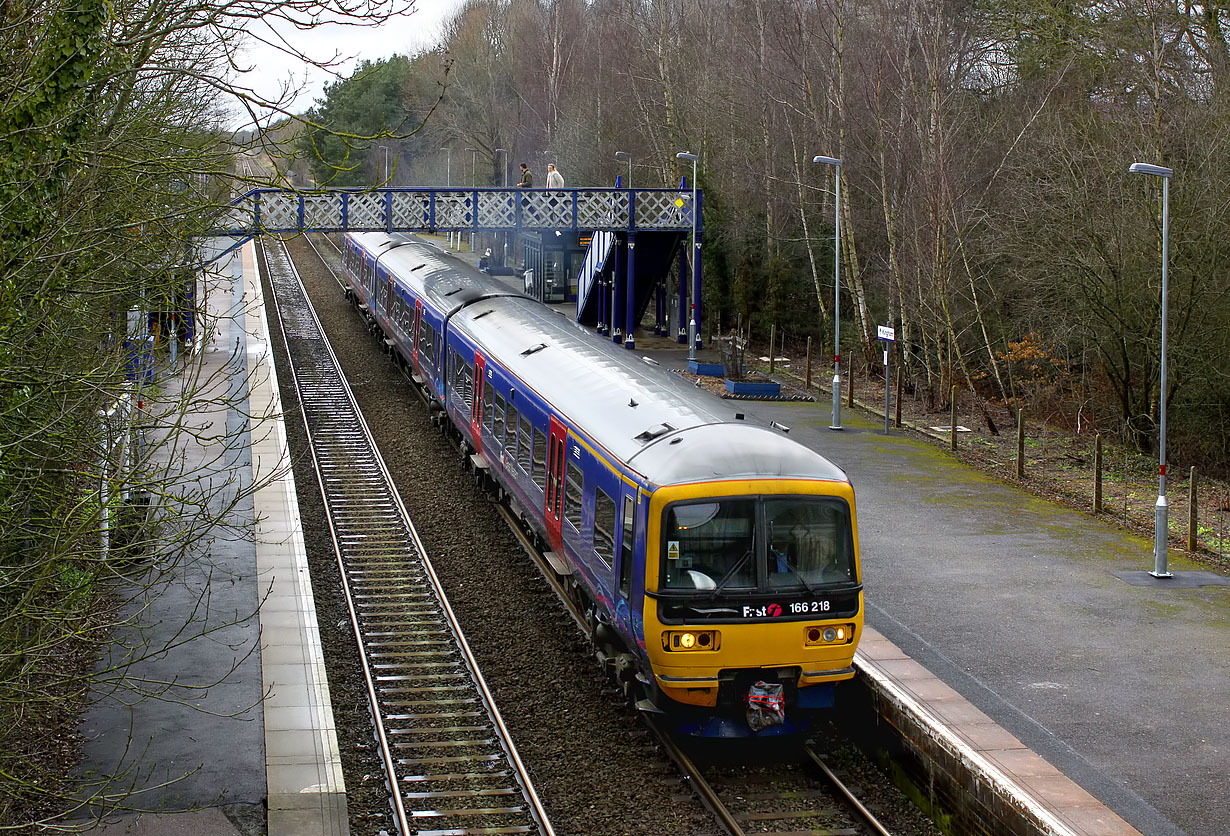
(765, 544)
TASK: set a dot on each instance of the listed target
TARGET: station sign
(886, 333)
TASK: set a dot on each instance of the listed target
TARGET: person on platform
(555, 180)
(527, 179)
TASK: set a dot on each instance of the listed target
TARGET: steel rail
(868, 816)
(707, 795)
(362, 555)
(696, 780)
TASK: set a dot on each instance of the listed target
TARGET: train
(716, 560)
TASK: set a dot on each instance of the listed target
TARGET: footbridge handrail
(446, 210)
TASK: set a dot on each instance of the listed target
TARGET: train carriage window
(488, 412)
(572, 495)
(427, 336)
(524, 448)
(539, 471)
(604, 527)
(468, 387)
(510, 439)
(626, 557)
(498, 428)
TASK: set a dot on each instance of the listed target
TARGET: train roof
(432, 275)
(665, 428)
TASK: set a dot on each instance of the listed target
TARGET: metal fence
(473, 210)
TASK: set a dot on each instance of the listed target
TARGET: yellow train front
(752, 605)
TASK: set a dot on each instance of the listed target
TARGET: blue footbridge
(638, 238)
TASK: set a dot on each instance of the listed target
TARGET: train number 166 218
(810, 606)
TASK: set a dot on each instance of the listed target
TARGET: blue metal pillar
(659, 308)
(700, 203)
(682, 322)
(630, 304)
(599, 287)
(618, 294)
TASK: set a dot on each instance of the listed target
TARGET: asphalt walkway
(1043, 617)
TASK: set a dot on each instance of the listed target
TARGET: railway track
(451, 766)
(808, 797)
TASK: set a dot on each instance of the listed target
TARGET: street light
(504, 151)
(624, 155)
(385, 149)
(836, 164)
(448, 180)
(692, 335)
(473, 182)
(1160, 509)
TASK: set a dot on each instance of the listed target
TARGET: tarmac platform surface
(216, 719)
(1019, 604)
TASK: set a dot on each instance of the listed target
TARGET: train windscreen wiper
(730, 573)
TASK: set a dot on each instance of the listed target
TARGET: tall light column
(692, 335)
(385, 149)
(473, 184)
(624, 155)
(503, 236)
(448, 181)
(836, 164)
(504, 151)
(1161, 508)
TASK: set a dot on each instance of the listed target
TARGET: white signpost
(888, 336)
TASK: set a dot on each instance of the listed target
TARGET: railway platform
(1028, 641)
(1025, 642)
(222, 723)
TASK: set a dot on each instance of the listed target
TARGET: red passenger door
(476, 413)
(555, 481)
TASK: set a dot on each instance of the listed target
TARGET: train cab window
(488, 411)
(710, 545)
(498, 427)
(572, 495)
(809, 542)
(524, 447)
(539, 471)
(626, 557)
(604, 527)
(510, 437)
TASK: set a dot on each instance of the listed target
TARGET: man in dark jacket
(527, 179)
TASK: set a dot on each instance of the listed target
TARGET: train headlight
(816, 636)
(686, 640)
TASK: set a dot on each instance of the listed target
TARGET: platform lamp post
(692, 335)
(624, 155)
(473, 184)
(385, 149)
(1160, 509)
(448, 179)
(504, 151)
(504, 236)
(836, 164)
